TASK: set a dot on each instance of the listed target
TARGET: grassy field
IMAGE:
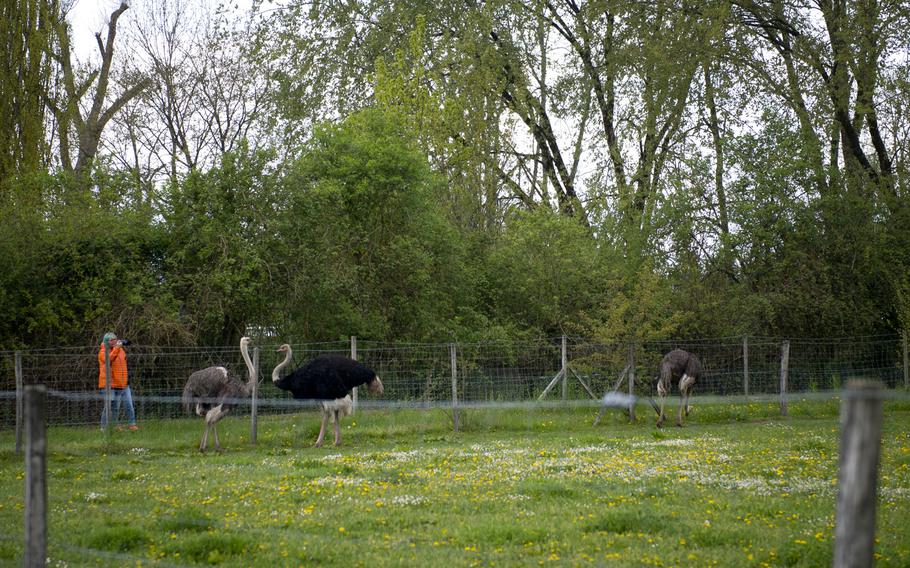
(739, 486)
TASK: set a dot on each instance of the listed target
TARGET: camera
(125, 342)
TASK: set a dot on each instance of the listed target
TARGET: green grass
(739, 486)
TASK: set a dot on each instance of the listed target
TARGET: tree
(25, 37)
(217, 262)
(85, 126)
(364, 249)
(206, 98)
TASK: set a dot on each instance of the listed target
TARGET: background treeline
(427, 171)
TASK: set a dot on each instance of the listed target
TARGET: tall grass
(739, 486)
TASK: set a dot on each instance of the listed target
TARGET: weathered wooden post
(254, 418)
(107, 388)
(906, 364)
(784, 372)
(454, 361)
(35, 477)
(565, 371)
(19, 402)
(354, 357)
(861, 431)
(746, 365)
(632, 382)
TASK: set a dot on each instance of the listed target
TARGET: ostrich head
(286, 349)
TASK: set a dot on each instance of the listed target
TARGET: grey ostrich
(214, 390)
(682, 365)
(328, 379)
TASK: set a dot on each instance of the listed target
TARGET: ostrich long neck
(245, 351)
(282, 365)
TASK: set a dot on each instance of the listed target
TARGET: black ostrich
(328, 379)
(214, 390)
(682, 365)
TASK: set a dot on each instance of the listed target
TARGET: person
(120, 386)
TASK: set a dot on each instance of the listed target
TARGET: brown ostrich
(215, 391)
(682, 365)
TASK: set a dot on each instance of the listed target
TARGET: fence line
(494, 372)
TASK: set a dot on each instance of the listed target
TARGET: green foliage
(220, 230)
(544, 272)
(647, 309)
(78, 264)
(365, 248)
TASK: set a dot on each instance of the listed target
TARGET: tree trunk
(89, 128)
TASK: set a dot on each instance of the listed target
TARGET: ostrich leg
(662, 393)
(215, 432)
(205, 438)
(325, 419)
(221, 413)
(685, 384)
(337, 427)
(211, 419)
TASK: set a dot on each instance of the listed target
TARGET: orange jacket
(118, 368)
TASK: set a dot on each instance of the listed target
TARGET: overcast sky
(87, 17)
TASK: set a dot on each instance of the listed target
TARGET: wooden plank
(565, 375)
(632, 382)
(583, 383)
(254, 418)
(552, 384)
(746, 365)
(354, 357)
(784, 376)
(107, 389)
(454, 362)
(906, 364)
(20, 393)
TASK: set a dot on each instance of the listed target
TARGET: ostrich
(328, 379)
(684, 366)
(217, 390)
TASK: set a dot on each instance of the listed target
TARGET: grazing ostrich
(217, 389)
(329, 379)
(682, 365)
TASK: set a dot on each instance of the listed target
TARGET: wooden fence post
(254, 418)
(746, 365)
(860, 447)
(632, 382)
(19, 402)
(784, 372)
(354, 357)
(35, 477)
(107, 388)
(454, 361)
(906, 364)
(565, 371)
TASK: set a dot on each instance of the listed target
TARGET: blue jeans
(118, 396)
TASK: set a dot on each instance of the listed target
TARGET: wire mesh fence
(531, 376)
(416, 374)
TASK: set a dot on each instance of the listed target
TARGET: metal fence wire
(498, 372)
